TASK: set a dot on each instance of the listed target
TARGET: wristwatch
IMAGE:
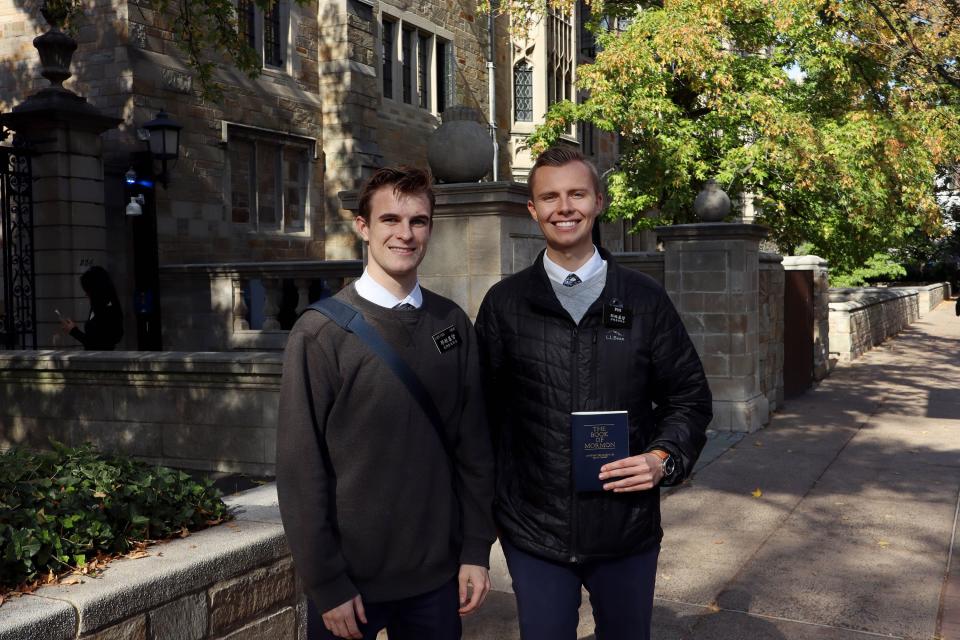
(667, 463)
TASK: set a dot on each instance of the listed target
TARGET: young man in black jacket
(575, 332)
(386, 530)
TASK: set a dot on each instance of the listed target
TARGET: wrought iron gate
(18, 304)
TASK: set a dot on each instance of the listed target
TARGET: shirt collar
(590, 268)
(372, 291)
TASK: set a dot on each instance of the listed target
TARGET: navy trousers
(429, 616)
(548, 595)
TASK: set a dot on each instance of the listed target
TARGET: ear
(599, 203)
(360, 224)
(533, 211)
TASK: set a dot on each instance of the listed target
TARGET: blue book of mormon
(599, 437)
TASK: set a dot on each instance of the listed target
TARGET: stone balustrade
(206, 411)
(232, 581)
(207, 307)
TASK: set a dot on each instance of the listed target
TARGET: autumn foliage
(835, 116)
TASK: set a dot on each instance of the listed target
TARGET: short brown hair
(405, 181)
(559, 156)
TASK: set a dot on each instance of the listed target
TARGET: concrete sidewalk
(851, 536)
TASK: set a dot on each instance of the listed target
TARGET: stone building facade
(345, 87)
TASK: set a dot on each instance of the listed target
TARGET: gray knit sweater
(366, 494)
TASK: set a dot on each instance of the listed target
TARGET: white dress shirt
(372, 291)
(589, 269)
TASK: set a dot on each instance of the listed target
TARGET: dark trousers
(429, 616)
(548, 595)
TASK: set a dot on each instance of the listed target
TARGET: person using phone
(103, 328)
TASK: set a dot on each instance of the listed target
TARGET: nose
(404, 231)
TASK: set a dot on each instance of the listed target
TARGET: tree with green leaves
(836, 116)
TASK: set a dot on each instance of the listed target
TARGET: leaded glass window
(272, 36)
(387, 42)
(523, 92)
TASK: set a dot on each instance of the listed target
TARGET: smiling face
(397, 233)
(565, 204)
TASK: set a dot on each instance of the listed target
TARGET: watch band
(667, 464)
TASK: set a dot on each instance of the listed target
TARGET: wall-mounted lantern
(163, 141)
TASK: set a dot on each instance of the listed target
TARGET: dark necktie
(571, 280)
(404, 306)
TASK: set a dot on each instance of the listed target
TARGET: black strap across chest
(350, 319)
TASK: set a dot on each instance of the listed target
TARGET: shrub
(60, 509)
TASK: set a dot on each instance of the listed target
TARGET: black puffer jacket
(540, 367)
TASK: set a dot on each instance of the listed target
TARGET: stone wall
(362, 128)
(771, 328)
(929, 295)
(128, 66)
(648, 262)
(860, 319)
(232, 581)
(206, 411)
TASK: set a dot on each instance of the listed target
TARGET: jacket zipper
(574, 525)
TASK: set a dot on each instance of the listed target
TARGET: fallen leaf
(184, 532)
(71, 580)
(758, 444)
(713, 607)
(756, 493)
(718, 542)
(883, 543)
(135, 555)
(99, 494)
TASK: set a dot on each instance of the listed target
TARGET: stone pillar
(821, 309)
(712, 275)
(482, 232)
(70, 229)
(62, 131)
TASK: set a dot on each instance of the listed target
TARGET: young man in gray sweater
(387, 530)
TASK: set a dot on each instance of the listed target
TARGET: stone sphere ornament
(712, 203)
(460, 149)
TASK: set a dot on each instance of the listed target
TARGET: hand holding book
(636, 473)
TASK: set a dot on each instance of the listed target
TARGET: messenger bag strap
(351, 320)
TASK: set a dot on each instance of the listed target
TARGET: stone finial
(712, 203)
(55, 47)
(460, 149)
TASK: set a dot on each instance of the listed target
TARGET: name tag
(447, 339)
(616, 316)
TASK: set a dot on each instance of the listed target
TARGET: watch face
(669, 466)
